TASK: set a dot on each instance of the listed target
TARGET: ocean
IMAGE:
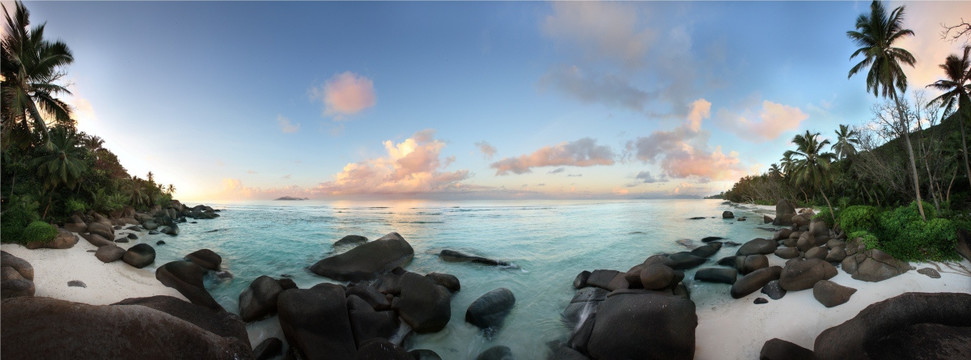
(548, 242)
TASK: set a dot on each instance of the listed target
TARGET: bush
(869, 240)
(39, 231)
(858, 218)
(904, 235)
(74, 206)
(825, 216)
(20, 211)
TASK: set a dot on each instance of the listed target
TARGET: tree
(811, 165)
(957, 87)
(31, 70)
(61, 165)
(846, 141)
(775, 171)
(876, 34)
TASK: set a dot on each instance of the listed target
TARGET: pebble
(76, 283)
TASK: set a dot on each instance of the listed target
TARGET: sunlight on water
(549, 242)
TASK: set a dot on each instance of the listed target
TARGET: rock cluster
(16, 277)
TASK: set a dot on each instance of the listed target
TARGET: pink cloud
(583, 152)
(345, 94)
(411, 166)
(488, 150)
(603, 29)
(774, 120)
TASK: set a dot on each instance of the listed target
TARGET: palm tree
(957, 87)
(30, 73)
(775, 171)
(61, 164)
(810, 164)
(875, 34)
(845, 142)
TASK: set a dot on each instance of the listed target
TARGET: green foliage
(904, 235)
(38, 231)
(20, 211)
(74, 205)
(107, 202)
(824, 215)
(858, 217)
(869, 240)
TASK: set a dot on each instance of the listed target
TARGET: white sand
(106, 283)
(738, 329)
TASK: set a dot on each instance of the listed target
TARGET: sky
(467, 100)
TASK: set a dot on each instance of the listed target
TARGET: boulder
(783, 213)
(566, 353)
(778, 349)
(424, 354)
(101, 229)
(585, 303)
(21, 266)
(836, 255)
(350, 240)
(602, 278)
(139, 256)
(931, 273)
(150, 224)
(97, 240)
(908, 326)
(817, 252)
(717, 275)
(766, 219)
(63, 240)
(497, 352)
(754, 281)
(268, 349)
(381, 349)
(773, 290)
(205, 258)
(186, 277)
(640, 324)
(490, 309)
(372, 296)
(708, 239)
(111, 332)
(803, 274)
(707, 250)
(806, 241)
(727, 215)
(818, 228)
(221, 323)
(753, 262)
(259, 299)
(757, 246)
(110, 253)
(423, 304)
(367, 261)
(580, 281)
(656, 277)
(456, 256)
(831, 294)
(801, 221)
(787, 252)
(877, 266)
(16, 276)
(171, 229)
(782, 234)
(368, 324)
(301, 313)
(684, 260)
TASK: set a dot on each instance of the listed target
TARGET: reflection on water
(550, 241)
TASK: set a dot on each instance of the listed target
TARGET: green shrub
(904, 235)
(39, 231)
(824, 216)
(20, 211)
(869, 240)
(75, 206)
(857, 218)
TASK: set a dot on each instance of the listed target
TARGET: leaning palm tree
(957, 87)
(846, 142)
(31, 70)
(61, 164)
(876, 34)
(811, 164)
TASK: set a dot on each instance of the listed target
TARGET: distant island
(291, 198)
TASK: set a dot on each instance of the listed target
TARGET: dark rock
(831, 294)
(766, 219)
(101, 230)
(17, 276)
(490, 309)
(497, 352)
(753, 262)
(697, 218)
(367, 261)
(717, 275)
(581, 280)
(423, 304)
(777, 349)
(963, 245)
(879, 266)
(381, 349)
(685, 260)
(708, 239)
(638, 324)
(586, 300)
(268, 349)
(97, 240)
(121, 240)
(731, 244)
(801, 220)
(205, 258)
(350, 240)
(908, 326)
(930, 273)
(455, 256)
(818, 228)
(139, 256)
(566, 353)
(783, 213)
(132, 236)
(77, 283)
(153, 232)
(803, 274)
(836, 255)
(727, 214)
(760, 301)
(818, 252)
(300, 314)
(372, 296)
(287, 283)
(602, 278)
(160, 242)
(757, 246)
(449, 281)
(774, 290)
(259, 299)
(21, 266)
(707, 250)
(806, 241)
(172, 229)
(424, 354)
(734, 262)
(107, 332)
(782, 234)
(742, 218)
(186, 277)
(754, 281)
(618, 282)
(656, 277)
(109, 253)
(787, 252)
(368, 324)
(221, 323)
(581, 336)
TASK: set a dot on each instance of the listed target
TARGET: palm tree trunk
(910, 155)
(953, 176)
(34, 113)
(832, 215)
(930, 177)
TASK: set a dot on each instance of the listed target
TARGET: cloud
(488, 150)
(556, 171)
(647, 178)
(684, 152)
(251, 172)
(600, 29)
(774, 120)
(285, 125)
(595, 88)
(583, 152)
(345, 94)
(411, 166)
(925, 19)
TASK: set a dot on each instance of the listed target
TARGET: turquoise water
(548, 241)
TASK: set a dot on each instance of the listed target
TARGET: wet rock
(205, 258)
(259, 299)
(754, 281)
(186, 277)
(757, 246)
(455, 256)
(717, 275)
(381, 349)
(753, 262)
(497, 352)
(449, 281)
(707, 250)
(708, 239)
(656, 277)
(350, 240)
(367, 261)
(423, 304)
(585, 301)
(581, 280)
(424, 354)
(602, 278)
(368, 324)
(766, 219)
(490, 309)
(160, 242)
(268, 349)
(685, 260)
(773, 290)
(727, 215)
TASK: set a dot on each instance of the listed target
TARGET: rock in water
(301, 313)
(367, 261)
(498, 352)
(909, 326)
(368, 324)
(449, 281)
(381, 349)
(455, 256)
(106, 332)
(206, 258)
(350, 240)
(139, 256)
(423, 304)
(727, 214)
(717, 275)
(259, 299)
(754, 281)
(186, 277)
(490, 309)
(638, 324)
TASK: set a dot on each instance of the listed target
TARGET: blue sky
(254, 100)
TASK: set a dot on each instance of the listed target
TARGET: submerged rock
(455, 256)
(490, 309)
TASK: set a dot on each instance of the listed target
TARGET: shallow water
(548, 241)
